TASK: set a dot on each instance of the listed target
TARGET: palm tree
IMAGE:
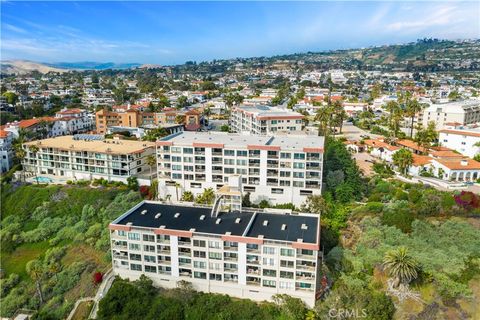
(20, 154)
(402, 267)
(395, 115)
(413, 107)
(150, 161)
(403, 159)
(34, 269)
(323, 116)
(177, 185)
(34, 149)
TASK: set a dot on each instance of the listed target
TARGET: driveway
(365, 162)
(352, 132)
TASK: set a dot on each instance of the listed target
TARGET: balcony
(228, 258)
(185, 243)
(120, 256)
(305, 267)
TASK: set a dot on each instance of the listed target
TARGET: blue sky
(174, 32)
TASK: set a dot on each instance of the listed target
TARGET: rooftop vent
(158, 215)
(192, 229)
(202, 217)
(129, 223)
(176, 215)
(304, 226)
(265, 223)
(218, 221)
(143, 212)
(284, 226)
(238, 220)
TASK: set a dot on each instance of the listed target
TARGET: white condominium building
(279, 169)
(252, 255)
(460, 112)
(89, 157)
(265, 120)
(461, 139)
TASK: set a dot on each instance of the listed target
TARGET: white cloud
(13, 28)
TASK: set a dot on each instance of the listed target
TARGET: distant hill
(91, 65)
(24, 67)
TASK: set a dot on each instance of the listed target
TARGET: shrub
(97, 278)
(398, 214)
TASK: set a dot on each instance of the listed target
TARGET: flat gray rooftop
(235, 140)
(282, 227)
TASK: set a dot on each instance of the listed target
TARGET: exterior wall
(6, 152)
(253, 271)
(241, 121)
(86, 165)
(264, 176)
(461, 143)
(443, 114)
(455, 175)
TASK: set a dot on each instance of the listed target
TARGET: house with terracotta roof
(456, 169)
(411, 146)
(421, 163)
(380, 149)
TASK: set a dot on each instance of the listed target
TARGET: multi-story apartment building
(244, 254)
(462, 139)
(460, 112)
(265, 120)
(134, 118)
(89, 157)
(278, 169)
(6, 150)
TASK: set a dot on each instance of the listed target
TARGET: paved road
(352, 132)
(102, 291)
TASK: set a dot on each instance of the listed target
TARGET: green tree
(132, 183)
(413, 107)
(425, 137)
(401, 266)
(35, 271)
(394, 118)
(11, 97)
(403, 159)
(151, 161)
(34, 149)
(187, 196)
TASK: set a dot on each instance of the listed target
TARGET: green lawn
(16, 261)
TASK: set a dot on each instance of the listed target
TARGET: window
(241, 162)
(150, 258)
(230, 162)
(215, 277)
(199, 254)
(151, 269)
(269, 273)
(121, 233)
(286, 264)
(134, 246)
(229, 152)
(199, 243)
(188, 150)
(135, 257)
(149, 237)
(286, 274)
(277, 191)
(163, 238)
(299, 156)
(300, 175)
(199, 264)
(269, 283)
(215, 266)
(134, 236)
(176, 150)
(215, 255)
(148, 248)
(287, 252)
(298, 165)
(214, 244)
(285, 285)
(135, 267)
(298, 184)
(268, 262)
(242, 153)
(285, 155)
(268, 250)
(200, 275)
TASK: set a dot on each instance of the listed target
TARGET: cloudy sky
(174, 32)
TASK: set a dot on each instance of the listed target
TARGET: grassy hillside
(61, 232)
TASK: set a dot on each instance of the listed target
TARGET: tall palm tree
(34, 149)
(395, 115)
(413, 107)
(150, 161)
(402, 267)
(177, 185)
(20, 154)
(34, 269)
(323, 116)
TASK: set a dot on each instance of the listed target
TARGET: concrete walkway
(101, 292)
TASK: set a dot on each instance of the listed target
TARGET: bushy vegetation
(53, 239)
(140, 300)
